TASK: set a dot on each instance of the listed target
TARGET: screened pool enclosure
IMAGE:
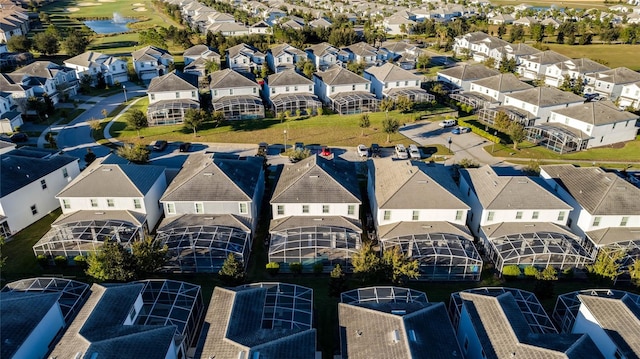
(286, 306)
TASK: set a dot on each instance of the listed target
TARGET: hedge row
(479, 131)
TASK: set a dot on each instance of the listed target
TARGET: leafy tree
(112, 262)
(566, 83)
(307, 67)
(337, 282)
(3, 259)
(531, 271)
(537, 32)
(578, 86)
(149, 255)
(502, 121)
(490, 62)
(152, 37)
(516, 33)
(439, 90)
(136, 120)
(80, 261)
(37, 105)
(364, 122)
(135, 153)
(507, 65)
(549, 273)
(357, 67)
(634, 272)
(404, 104)
(511, 271)
(211, 66)
(46, 43)
(89, 157)
(193, 118)
(398, 267)
(75, 43)
(264, 71)
(217, 117)
(502, 29)
(607, 265)
(85, 83)
(390, 126)
(232, 272)
(517, 133)
(386, 105)
(423, 61)
(19, 43)
(366, 263)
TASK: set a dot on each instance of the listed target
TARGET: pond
(109, 26)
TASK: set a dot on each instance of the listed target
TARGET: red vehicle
(325, 151)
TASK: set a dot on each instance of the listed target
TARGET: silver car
(414, 152)
(363, 151)
(401, 152)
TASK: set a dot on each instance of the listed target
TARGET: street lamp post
(495, 133)
(285, 140)
(449, 141)
(125, 93)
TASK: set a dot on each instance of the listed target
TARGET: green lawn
(575, 4)
(614, 55)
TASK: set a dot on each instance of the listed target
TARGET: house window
(34, 210)
(136, 203)
(255, 90)
(333, 89)
(243, 208)
(295, 88)
(66, 204)
(305, 208)
(153, 97)
(415, 216)
(366, 86)
(387, 215)
(596, 221)
(110, 203)
(351, 210)
(325, 208)
(177, 94)
(353, 87)
(310, 88)
(535, 215)
(94, 202)
(623, 222)
(273, 90)
(141, 64)
(519, 215)
(43, 184)
(215, 92)
(65, 173)
(199, 207)
(386, 85)
(230, 91)
(286, 89)
(561, 216)
(397, 84)
(406, 83)
(193, 94)
(171, 208)
(280, 209)
(490, 216)
(458, 215)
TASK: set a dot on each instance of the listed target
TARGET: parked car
(447, 123)
(460, 130)
(159, 145)
(299, 146)
(363, 151)
(414, 152)
(401, 152)
(19, 137)
(262, 148)
(375, 150)
(325, 151)
(184, 147)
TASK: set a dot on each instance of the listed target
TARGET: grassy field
(614, 55)
(575, 4)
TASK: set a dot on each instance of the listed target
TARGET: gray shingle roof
(242, 49)
(584, 65)
(510, 192)
(205, 178)
(548, 57)
(228, 78)
(322, 49)
(115, 180)
(18, 322)
(620, 319)
(174, 81)
(361, 49)
(151, 52)
(317, 180)
(618, 76)
(338, 75)
(403, 184)
(610, 235)
(22, 166)
(469, 72)
(196, 50)
(503, 83)
(282, 224)
(502, 229)
(391, 72)
(598, 192)
(288, 78)
(401, 229)
(597, 113)
(189, 220)
(546, 96)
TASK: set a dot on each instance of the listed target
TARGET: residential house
(461, 77)
(609, 84)
(574, 68)
(526, 21)
(284, 57)
(245, 58)
(320, 23)
(250, 322)
(260, 27)
(197, 58)
(512, 52)
(398, 24)
(490, 91)
(499, 322)
(10, 116)
(171, 96)
(611, 318)
(99, 66)
(150, 62)
(323, 55)
(393, 322)
(485, 47)
(14, 21)
(400, 53)
(462, 44)
(418, 209)
(550, 22)
(229, 29)
(592, 124)
(211, 210)
(392, 81)
(290, 91)
(605, 207)
(344, 91)
(34, 311)
(535, 66)
(18, 91)
(520, 212)
(630, 96)
(361, 52)
(30, 179)
(532, 107)
(235, 95)
(315, 215)
(45, 77)
(137, 319)
(272, 15)
(123, 208)
(500, 19)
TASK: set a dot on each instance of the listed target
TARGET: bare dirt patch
(72, 9)
(140, 9)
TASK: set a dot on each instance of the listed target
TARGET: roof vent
(621, 188)
(530, 225)
(314, 176)
(523, 181)
(426, 226)
(359, 333)
(106, 170)
(99, 213)
(423, 181)
(395, 336)
(208, 174)
(208, 218)
(412, 335)
(399, 312)
(317, 219)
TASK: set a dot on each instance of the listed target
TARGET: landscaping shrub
(531, 271)
(60, 261)
(479, 131)
(80, 261)
(43, 261)
(295, 267)
(511, 271)
(273, 268)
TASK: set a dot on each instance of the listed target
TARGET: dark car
(375, 150)
(160, 145)
(19, 137)
(184, 147)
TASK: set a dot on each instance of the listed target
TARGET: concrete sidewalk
(107, 128)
